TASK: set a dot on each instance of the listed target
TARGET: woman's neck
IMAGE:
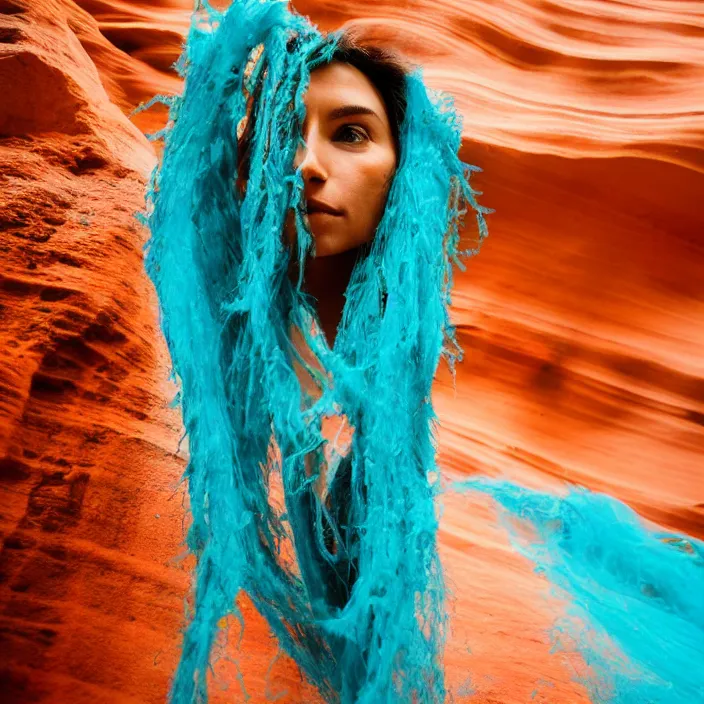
(326, 279)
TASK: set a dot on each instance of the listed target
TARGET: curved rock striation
(582, 321)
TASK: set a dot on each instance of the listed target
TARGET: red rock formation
(89, 511)
(581, 318)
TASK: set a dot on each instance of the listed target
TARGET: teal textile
(219, 266)
(635, 595)
(362, 609)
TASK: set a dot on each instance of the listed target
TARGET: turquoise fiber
(634, 594)
(220, 267)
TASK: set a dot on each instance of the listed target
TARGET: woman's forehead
(338, 84)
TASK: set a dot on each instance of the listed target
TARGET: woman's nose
(310, 164)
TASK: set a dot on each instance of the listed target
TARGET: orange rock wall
(582, 321)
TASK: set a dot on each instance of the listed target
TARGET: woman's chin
(326, 250)
(324, 247)
(331, 246)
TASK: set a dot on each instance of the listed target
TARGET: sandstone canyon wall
(582, 321)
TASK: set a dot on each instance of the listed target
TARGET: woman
(286, 324)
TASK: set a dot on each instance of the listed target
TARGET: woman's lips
(315, 207)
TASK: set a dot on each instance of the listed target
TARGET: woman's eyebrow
(348, 110)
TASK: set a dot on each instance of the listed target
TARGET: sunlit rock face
(582, 321)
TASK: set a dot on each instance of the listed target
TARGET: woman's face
(349, 159)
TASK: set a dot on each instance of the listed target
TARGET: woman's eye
(352, 134)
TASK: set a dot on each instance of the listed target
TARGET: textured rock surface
(582, 320)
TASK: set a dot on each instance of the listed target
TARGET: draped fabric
(635, 593)
(361, 609)
(345, 434)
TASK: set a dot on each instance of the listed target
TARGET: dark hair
(385, 68)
